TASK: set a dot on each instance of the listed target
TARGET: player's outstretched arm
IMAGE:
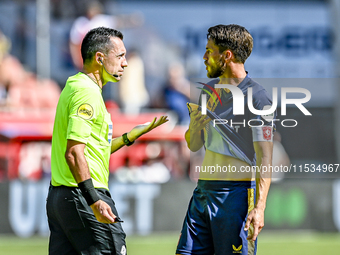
(138, 131)
(264, 151)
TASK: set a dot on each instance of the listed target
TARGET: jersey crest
(267, 133)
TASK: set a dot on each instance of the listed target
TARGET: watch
(126, 140)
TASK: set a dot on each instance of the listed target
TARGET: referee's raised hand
(142, 129)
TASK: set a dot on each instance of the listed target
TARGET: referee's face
(213, 60)
(115, 60)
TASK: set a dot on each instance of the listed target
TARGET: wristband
(126, 140)
(88, 191)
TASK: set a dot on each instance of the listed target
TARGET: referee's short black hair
(98, 39)
(232, 37)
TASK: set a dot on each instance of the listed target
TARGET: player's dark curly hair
(232, 37)
(98, 39)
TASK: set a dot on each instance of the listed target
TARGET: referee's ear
(99, 58)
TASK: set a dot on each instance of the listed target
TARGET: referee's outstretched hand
(142, 129)
(103, 212)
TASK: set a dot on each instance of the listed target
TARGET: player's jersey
(214, 140)
(82, 116)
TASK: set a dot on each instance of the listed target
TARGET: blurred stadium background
(295, 45)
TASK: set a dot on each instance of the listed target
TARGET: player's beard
(217, 70)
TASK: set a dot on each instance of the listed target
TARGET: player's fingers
(205, 122)
(197, 116)
(256, 232)
(246, 226)
(202, 117)
(194, 113)
(201, 120)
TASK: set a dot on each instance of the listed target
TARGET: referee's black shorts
(75, 229)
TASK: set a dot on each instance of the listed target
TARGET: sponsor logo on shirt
(85, 111)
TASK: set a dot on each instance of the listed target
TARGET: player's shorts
(75, 229)
(215, 220)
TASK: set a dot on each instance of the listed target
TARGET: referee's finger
(109, 215)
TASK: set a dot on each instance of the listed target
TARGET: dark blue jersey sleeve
(262, 101)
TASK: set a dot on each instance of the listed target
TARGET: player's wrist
(193, 130)
(88, 191)
(260, 207)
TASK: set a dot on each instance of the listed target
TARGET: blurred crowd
(21, 89)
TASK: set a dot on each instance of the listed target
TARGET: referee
(81, 214)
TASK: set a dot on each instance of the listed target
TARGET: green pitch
(278, 243)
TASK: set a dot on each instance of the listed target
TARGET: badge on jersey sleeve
(267, 133)
(85, 111)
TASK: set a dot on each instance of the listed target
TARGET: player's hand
(255, 218)
(103, 212)
(145, 128)
(197, 120)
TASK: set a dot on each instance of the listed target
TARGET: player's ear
(228, 55)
